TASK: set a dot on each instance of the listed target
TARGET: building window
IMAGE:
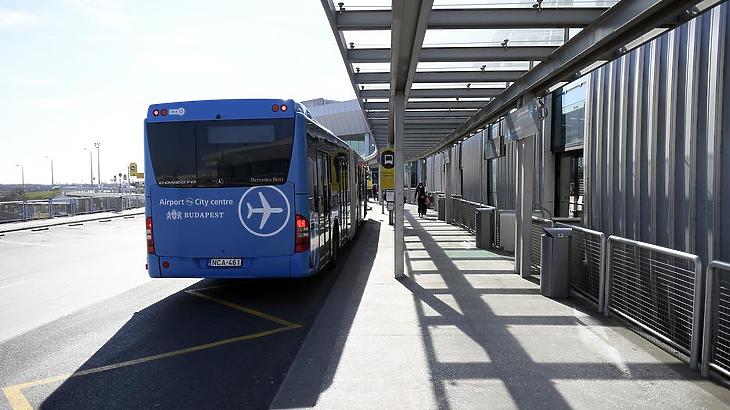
(569, 105)
(569, 187)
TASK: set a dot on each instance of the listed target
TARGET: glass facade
(569, 105)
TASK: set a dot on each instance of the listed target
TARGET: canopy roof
(461, 65)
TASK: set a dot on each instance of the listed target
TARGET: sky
(76, 72)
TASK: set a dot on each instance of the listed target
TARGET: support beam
(456, 54)
(482, 18)
(419, 121)
(602, 39)
(424, 114)
(439, 93)
(445, 77)
(429, 105)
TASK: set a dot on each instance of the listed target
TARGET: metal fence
(17, 211)
(463, 213)
(716, 334)
(658, 289)
(536, 242)
(587, 262)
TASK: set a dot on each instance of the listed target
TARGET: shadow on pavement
(216, 344)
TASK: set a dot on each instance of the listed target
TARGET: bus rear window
(221, 153)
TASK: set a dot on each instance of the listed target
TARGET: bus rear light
(274, 108)
(150, 238)
(284, 107)
(301, 239)
(155, 112)
(163, 112)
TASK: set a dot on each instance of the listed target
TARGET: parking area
(163, 343)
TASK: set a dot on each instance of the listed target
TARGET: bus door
(323, 208)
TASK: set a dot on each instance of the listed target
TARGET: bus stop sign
(387, 159)
(387, 169)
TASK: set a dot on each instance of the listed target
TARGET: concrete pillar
(398, 136)
(525, 188)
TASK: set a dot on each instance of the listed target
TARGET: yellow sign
(133, 169)
(387, 169)
(139, 174)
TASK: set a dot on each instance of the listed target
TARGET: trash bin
(441, 208)
(555, 263)
(484, 227)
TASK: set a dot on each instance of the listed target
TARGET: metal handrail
(602, 262)
(712, 280)
(698, 294)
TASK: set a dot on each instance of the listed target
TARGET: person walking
(421, 199)
(375, 192)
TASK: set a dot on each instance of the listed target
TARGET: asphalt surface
(83, 327)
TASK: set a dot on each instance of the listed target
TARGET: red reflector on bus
(150, 238)
(274, 108)
(155, 112)
(301, 238)
(284, 107)
(163, 112)
(165, 264)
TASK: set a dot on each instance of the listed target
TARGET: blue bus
(246, 188)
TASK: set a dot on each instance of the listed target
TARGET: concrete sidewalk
(464, 331)
(65, 220)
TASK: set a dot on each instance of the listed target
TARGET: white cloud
(10, 19)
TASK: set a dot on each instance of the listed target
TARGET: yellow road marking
(244, 309)
(18, 401)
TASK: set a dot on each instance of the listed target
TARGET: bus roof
(224, 109)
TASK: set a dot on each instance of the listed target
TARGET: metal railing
(17, 211)
(658, 289)
(716, 332)
(587, 262)
(463, 213)
(536, 242)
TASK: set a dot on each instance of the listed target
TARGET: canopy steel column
(399, 103)
(408, 28)
(525, 187)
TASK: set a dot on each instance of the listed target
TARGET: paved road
(97, 333)
(50, 273)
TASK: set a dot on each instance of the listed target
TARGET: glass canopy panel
(494, 37)
(467, 66)
(452, 4)
(371, 67)
(499, 85)
(367, 38)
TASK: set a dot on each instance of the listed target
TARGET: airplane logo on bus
(266, 210)
(268, 203)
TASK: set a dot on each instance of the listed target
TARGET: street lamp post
(22, 182)
(52, 183)
(98, 162)
(91, 168)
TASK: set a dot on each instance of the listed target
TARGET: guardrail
(587, 262)
(658, 289)
(463, 213)
(17, 211)
(536, 242)
(716, 332)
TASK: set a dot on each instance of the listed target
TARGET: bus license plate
(224, 263)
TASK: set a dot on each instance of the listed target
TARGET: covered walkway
(462, 330)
